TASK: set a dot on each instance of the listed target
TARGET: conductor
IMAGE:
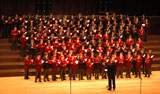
(111, 68)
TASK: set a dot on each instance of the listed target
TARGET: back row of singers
(80, 65)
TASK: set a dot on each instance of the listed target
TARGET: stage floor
(17, 85)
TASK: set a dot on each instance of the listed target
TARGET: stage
(17, 85)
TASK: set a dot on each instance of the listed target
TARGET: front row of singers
(81, 65)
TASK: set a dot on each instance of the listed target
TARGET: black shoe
(48, 80)
(35, 81)
(44, 80)
(40, 81)
(109, 89)
(114, 88)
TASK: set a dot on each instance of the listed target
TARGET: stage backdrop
(131, 7)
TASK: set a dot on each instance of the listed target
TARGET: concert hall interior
(79, 47)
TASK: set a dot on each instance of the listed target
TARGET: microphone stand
(71, 85)
(141, 85)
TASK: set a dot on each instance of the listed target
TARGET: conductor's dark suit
(111, 75)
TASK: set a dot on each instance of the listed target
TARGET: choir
(82, 45)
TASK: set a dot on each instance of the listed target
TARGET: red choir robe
(120, 62)
(49, 50)
(38, 64)
(129, 61)
(14, 34)
(56, 44)
(138, 62)
(110, 50)
(23, 40)
(99, 49)
(89, 66)
(148, 61)
(140, 43)
(113, 44)
(120, 43)
(27, 62)
(63, 63)
(92, 58)
(129, 42)
(73, 63)
(41, 47)
(141, 33)
(54, 63)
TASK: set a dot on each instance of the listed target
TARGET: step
(153, 41)
(15, 72)
(11, 59)
(154, 49)
(14, 65)
(153, 38)
(156, 62)
(19, 66)
(9, 53)
(150, 37)
(155, 67)
(154, 44)
(7, 46)
(8, 50)
(8, 40)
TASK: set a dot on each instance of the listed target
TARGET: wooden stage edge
(17, 85)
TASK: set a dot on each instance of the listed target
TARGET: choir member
(27, 62)
(143, 54)
(46, 67)
(54, 65)
(128, 61)
(97, 67)
(89, 66)
(148, 62)
(152, 56)
(81, 66)
(32, 49)
(38, 64)
(105, 62)
(140, 42)
(14, 34)
(134, 63)
(141, 33)
(138, 65)
(99, 49)
(23, 39)
(72, 67)
(129, 41)
(90, 50)
(63, 64)
(41, 46)
(120, 65)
